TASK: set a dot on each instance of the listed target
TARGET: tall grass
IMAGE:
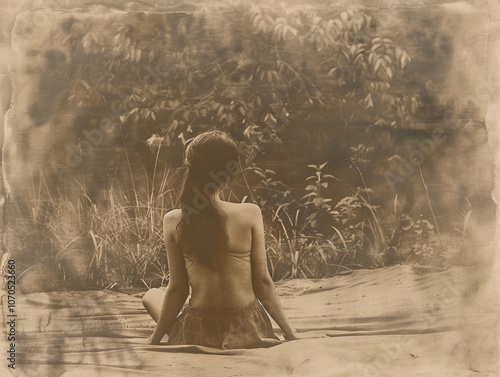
(113, 241)
(126, 241)
(116, 240)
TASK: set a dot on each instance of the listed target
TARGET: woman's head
(210, 151)
(211, 159)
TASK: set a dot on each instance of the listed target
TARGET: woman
(218, 248)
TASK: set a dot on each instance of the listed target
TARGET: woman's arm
(178, 286)
(262, 283)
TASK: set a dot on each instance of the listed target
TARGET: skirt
(245, 327)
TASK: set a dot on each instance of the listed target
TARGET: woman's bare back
(230, 286)
(241, 280)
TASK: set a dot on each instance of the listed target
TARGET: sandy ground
(397, 321)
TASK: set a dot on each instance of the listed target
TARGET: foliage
(254, 71)
(117, 242)
(127, 243)
(177, 75)
(310, 236)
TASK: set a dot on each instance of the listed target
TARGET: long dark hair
(200, 231)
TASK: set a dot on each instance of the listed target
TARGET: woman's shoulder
(248, 210)
(245, 210)
(171, 214)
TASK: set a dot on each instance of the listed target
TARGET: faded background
(368, 134)
(384, 105)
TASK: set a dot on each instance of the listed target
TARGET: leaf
(388, 70)
(368, 101)
(344, 17)
(131, 53)
(466, 221)
(259, 173)
(126, 43)
(256, 19)
(310, 187)
(332, 71)
(405, 59)
(220, 110)
(292, 30)
(338, 23)
(277, 28)
(375, 47)
(341, 237)
(370, 58)
(398, 53)
(181, 136)
(360, 22)
(86, 41)
(329, 26)
(260, 26)
(318, 201)
(322, 165)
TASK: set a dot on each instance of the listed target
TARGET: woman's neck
(215, 198)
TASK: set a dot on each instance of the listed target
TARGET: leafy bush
(310, 236)
(176, 75)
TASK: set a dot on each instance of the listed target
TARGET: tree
(252, 71)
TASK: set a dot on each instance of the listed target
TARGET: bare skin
(242, 277)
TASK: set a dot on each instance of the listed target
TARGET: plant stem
(246, 183)
(432, 212)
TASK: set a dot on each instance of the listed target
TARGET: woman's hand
(145, 341)
(151, 342)
(141, 341)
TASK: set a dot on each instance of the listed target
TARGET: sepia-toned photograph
(250, 188)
